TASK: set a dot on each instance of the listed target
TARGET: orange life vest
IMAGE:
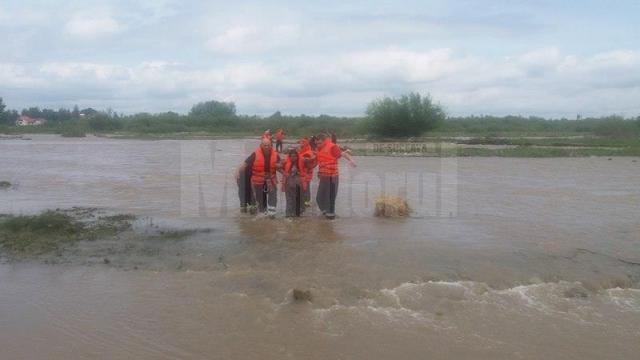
(308, 168)
(327, 163)
(258, 176)
(301, 170)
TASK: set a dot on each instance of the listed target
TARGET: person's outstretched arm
(347, 155)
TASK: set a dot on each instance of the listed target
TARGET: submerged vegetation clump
(302, 295)
(50, 231)
(5, 184)
(38, 234)
(391, 206)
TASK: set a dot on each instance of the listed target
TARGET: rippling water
(504, 259)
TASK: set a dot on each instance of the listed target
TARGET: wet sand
(503, 259)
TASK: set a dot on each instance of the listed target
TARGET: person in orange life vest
(293, 183)
(267, 135)
(313, 142)
(279, 139)
(328, 156)
(308, 156)
(264, 164)
(245, 193)
(346, 152)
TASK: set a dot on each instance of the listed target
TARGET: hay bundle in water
(392, 206)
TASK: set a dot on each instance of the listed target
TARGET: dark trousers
(327, 192)
(265, 198)
(306, 193)
(294, 194)
(245, 193)
(279, 145)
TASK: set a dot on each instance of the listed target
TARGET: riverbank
(435, 146)
(525, 147)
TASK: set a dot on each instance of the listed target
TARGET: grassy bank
(502, 147)
(508, 136)
(539, 152)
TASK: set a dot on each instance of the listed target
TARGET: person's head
(322, 137)
(265, 144)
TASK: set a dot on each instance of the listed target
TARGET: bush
(410, 115)
(616, 127)
(214, 109)
(103, 123)
(145, 123)
(73, 131)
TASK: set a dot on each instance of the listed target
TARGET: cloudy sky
(536, 57)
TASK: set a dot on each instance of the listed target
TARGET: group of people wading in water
(257, 177)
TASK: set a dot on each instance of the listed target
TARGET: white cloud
(404, 65)
(17, 16)
(87, 25)
(86, 71)
(593, 85)
(16, 76)
(253, 39)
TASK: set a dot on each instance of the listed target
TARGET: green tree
(12, 117)
(76, 112)
(101, 122)
(89, 112)
(615, 126)
(33, 112)
(214, 109)
(3, 115)
(409, 115)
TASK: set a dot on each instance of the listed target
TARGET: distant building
(24, 120)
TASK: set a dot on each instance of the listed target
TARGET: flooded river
(504, 258)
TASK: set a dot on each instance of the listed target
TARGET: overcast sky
(537, 57)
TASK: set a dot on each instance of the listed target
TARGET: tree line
(410, 115)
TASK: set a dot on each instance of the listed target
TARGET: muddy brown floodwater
(503, 259)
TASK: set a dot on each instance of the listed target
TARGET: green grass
(73, 132)
(32, 235)
(539, 152)
(589, 141)
(196, 135)
(502, 147)
(38, 234)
